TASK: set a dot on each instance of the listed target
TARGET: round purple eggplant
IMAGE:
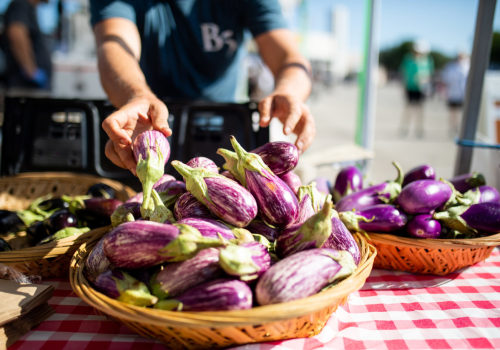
(280, 156)
(424, 196)
(467, 181)
(218, 295)
(424, 226)
(480, 218)
(421, 172)
(292, 180)
(377, 218)
(348, 180)
(203, 162)
(187, 206)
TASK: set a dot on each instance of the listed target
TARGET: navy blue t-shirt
(193, 49)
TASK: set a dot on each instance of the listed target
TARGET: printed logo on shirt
(214, 40)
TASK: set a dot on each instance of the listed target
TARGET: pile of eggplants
(235, 238)
(50, 218)
(418, 204)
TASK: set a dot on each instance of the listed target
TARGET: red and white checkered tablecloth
(394, 310)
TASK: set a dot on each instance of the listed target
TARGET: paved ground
(335, 113)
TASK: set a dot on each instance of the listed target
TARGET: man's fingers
(265, 111)
(305, 130)
(113, 126)
(158, 113)
(121, 156)
(292, 116)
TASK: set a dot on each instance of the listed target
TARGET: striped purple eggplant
(467, 181)
(292, 180)
(120, 285)
(187, 206)
(303, 274)
(381, 193)
(377, 218)
(310, 201)
(341, 238)
(247, 261)
(257, 226)
(225, 198)
(96, 262)
(423, 226)
(348, 180)
(144, 243)
(175, 278)
(280, 156)
(420, 172)
(151, 151)
(218, 295)
(313, 233)
(424, 196)
(128, 211)
(277, 203)
(203, 162)
(480, 218)
(482, 194)
(216, 229)
(170, 191)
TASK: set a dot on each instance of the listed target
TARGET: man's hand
(293, 114)
(138, 115)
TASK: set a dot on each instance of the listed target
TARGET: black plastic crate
(40, 134)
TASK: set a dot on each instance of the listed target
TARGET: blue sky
(448, 25)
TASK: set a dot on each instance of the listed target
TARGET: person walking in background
(27, 52)
(454, 77)
(417, 69)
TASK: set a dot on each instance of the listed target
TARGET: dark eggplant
(59, 220)
(101, 190)
(218, 295)
(120, 285)
(467, 181)
(313, 233)
(176, 278)
(377, 218)
(145, 243)
(423, 226)
(277, 203)
(424, 196)
(10, 222)
(187, 206)
(37, 231)
(341, 238)
(280, 156)
(101, 206)
(482, 194)
(421, 172)
(348, 180)
(225, 198)
(52, 204)
(480, 218)
(96, 262)
(382, 193)
(257, 226)
(303, 274)
(4, 246)
(292, 180)
(203, 162)
(247, 261)
(151, 151)
(128, 211)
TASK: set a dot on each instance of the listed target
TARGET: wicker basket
(206, 330)
(50, 259)
(430, 256)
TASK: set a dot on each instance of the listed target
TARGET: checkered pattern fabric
(393, 310)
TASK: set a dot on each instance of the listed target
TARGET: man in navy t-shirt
(192, 49)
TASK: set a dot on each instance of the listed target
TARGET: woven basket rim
(256, 315)
(435, 243)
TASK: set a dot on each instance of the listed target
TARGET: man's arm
(21, 47)
(291, 71)
(118, 52)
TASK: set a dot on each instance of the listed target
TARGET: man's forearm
(20, 44)
(121, 76)
(294, 78)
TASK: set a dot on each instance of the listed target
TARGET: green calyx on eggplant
(246, 261)
(101, 190)
(64, 233)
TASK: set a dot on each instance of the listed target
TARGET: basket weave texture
(50, 259)
(207, 330)
(430, 256)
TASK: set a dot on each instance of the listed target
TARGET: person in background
(192, 49)
(417, 69)
(454, 77)
(27, 52)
